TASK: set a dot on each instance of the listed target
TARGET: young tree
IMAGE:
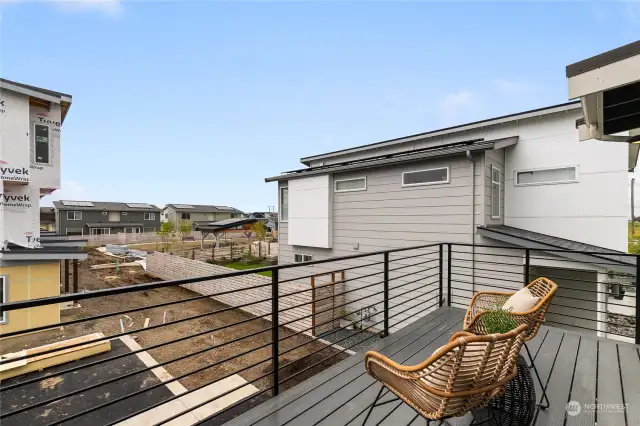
(167, 234)
(184, 230)
(260, 230)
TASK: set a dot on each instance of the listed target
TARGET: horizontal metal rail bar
(133, 373)
(355, 289)
(584, 328)
(520, 273)
(293, 293)
(221, 395)
(415, 255)
(162, 383)
(491, 278)
(10, 306)
(157, 345)
(141, 330)
(544, 249)
(333, 319)
(554, 297)
(248, 397)
(392, 316)
(556, 304)
(348, 303)
(303, 277)
(164, 401)
(414, 264)
(518, 264)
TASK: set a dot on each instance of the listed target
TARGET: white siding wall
(592, 211)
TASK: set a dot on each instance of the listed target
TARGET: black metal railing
(278, 331)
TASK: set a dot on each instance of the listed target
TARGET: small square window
(149, 216)
(350, 185)
(298, 258)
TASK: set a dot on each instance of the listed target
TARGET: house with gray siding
(513, 182)
(102, 217)
(197, 213)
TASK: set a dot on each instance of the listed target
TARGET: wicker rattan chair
(459, 377)
(543, 288)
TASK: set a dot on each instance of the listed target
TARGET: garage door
(565, 310)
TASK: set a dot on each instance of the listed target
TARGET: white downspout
(473, 221)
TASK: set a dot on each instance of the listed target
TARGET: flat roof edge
(458, 128)
(603, 59)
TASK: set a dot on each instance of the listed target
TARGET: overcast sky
(198, 102)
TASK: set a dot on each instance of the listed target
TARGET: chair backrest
(461, 376)
(543, 288)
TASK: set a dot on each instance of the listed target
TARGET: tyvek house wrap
(19, 215)
(14, 137)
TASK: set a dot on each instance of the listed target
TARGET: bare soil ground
(133, 322)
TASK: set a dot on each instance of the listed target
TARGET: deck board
(584, 382)
(560, 381)
(565, 360)
(609, 385)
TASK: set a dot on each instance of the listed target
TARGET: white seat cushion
(521, 301)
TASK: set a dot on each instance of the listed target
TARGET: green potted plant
(498, 321)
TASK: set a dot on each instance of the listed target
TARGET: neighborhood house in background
(31, 121)
(194, 214)
(100, 218)
(521, 180)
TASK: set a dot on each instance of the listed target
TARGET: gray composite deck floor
(573, 368)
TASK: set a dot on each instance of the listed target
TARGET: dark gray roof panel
(526, 236)
(387, 159)
(202, 208)
(603, 59)
(223, 224)
(106, 206)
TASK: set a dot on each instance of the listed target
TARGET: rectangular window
(74, 231)
(186, 215)
(148, 229)
(284, 204)
(149, 216)
(495, 193)
(74, 215)
(350, 185)
(548, 176)
(297, 258)
(426, 177)
(4, 297)
(41, 144)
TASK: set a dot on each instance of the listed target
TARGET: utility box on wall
(310, 211)
(14, 137)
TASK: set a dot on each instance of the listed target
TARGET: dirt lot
(133, 322)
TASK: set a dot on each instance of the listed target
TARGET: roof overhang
(447, 131)
(458, 148)
(608, 86)
(610, 260)
(222, 225)
(62, 99)
(58, 253)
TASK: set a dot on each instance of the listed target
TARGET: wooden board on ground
(38, 360)
(114, 265)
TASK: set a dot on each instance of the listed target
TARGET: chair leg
(535, 370)
(373, 405)
(491, 418)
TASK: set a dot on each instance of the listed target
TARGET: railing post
(386, 293)
(274, 330)
(526, 268)
(636, 299)
(448, 274)
(441, 272)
